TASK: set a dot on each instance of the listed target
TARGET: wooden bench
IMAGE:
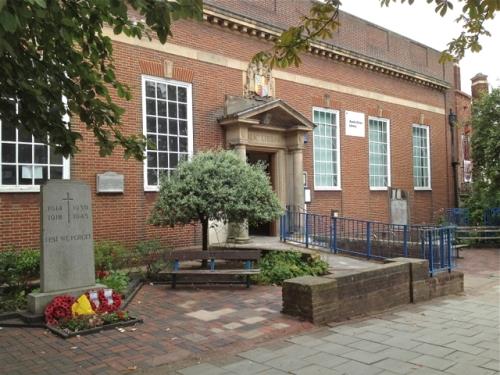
(247, 257)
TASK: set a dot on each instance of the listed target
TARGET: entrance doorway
(254, 157)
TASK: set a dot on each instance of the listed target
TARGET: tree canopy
(54, 49)
(485, 145)
(215, 185)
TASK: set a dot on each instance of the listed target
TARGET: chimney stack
(479, 85)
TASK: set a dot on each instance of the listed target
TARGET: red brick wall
(123, 217)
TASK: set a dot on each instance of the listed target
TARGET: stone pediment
(273, 113)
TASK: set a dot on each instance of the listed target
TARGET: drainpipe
(452, 121)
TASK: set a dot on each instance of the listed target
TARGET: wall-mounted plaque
(110, 182)
(354, 124)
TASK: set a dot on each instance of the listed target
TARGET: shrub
(150, 254)
(17, 268)
(109, 255)
(116, 280)
(277, 266)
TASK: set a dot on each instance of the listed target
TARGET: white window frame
(388, 132)
(337, 136)
(428, 145)
(28, 188)
(189, 103)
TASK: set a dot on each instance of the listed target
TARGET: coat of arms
(259, 81)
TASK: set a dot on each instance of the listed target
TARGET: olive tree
(215, 185)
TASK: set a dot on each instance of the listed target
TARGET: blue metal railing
(457, 216)
(371, 239)
(461, 216)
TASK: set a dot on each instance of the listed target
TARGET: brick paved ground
(181, 324)
(209, 327)
(453, 335)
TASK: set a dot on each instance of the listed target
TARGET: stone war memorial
(66, 243)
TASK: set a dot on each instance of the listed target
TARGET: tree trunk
(204, 239)
(204, 234)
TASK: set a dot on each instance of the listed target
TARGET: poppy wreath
(59, 308)
(104, 305)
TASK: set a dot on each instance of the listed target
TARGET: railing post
(448, 245)
(431, 253)
(307, 229)
(335, 235)
(368, 240)
(405, 241)
(441, 247)
(281, 228)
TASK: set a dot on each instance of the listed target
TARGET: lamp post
(452, 121)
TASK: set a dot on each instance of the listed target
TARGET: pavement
(452, 335)
(234, 330)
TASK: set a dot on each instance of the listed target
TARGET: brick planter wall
(335, 298)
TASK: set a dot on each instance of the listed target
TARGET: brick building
(365, 111)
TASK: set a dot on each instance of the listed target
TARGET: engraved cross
(67, 199)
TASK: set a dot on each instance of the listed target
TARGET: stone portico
(273, 128)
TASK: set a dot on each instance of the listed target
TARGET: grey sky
(421, 23)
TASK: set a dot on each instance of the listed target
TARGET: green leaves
(53, 49)
(215, 185)
(319, 24)
(485, 144)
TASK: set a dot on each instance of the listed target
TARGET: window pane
(24, 135)
(162, 125)
(172, 109)
(172, 143)
(172, 127)
(163, 160)
(151, 124)
(183, 127)
(55, 158)
(161, 91)
(41, 154)
(162, 108)
(183, 144)
(182, 111)
(150, 107)
(182, 94)
(25, 174)
(25, 155)
(8, 133)
(152, 177)
(152, 140)
(173, 160)
(8, 174)
(56, 173)
(150, 89)
(162, 143)
(41, 174)
(172, 92)
(152, 159)
(8, 153)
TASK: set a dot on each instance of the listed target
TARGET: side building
(363, 119)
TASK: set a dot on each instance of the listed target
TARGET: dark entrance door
(264, 229)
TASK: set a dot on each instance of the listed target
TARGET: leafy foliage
(116, 280)
(215, 185)
(17, 270)
(278, 266)
(319, 24)
(109, 255)
(150, 254)
(485, 144)
(50, 49)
